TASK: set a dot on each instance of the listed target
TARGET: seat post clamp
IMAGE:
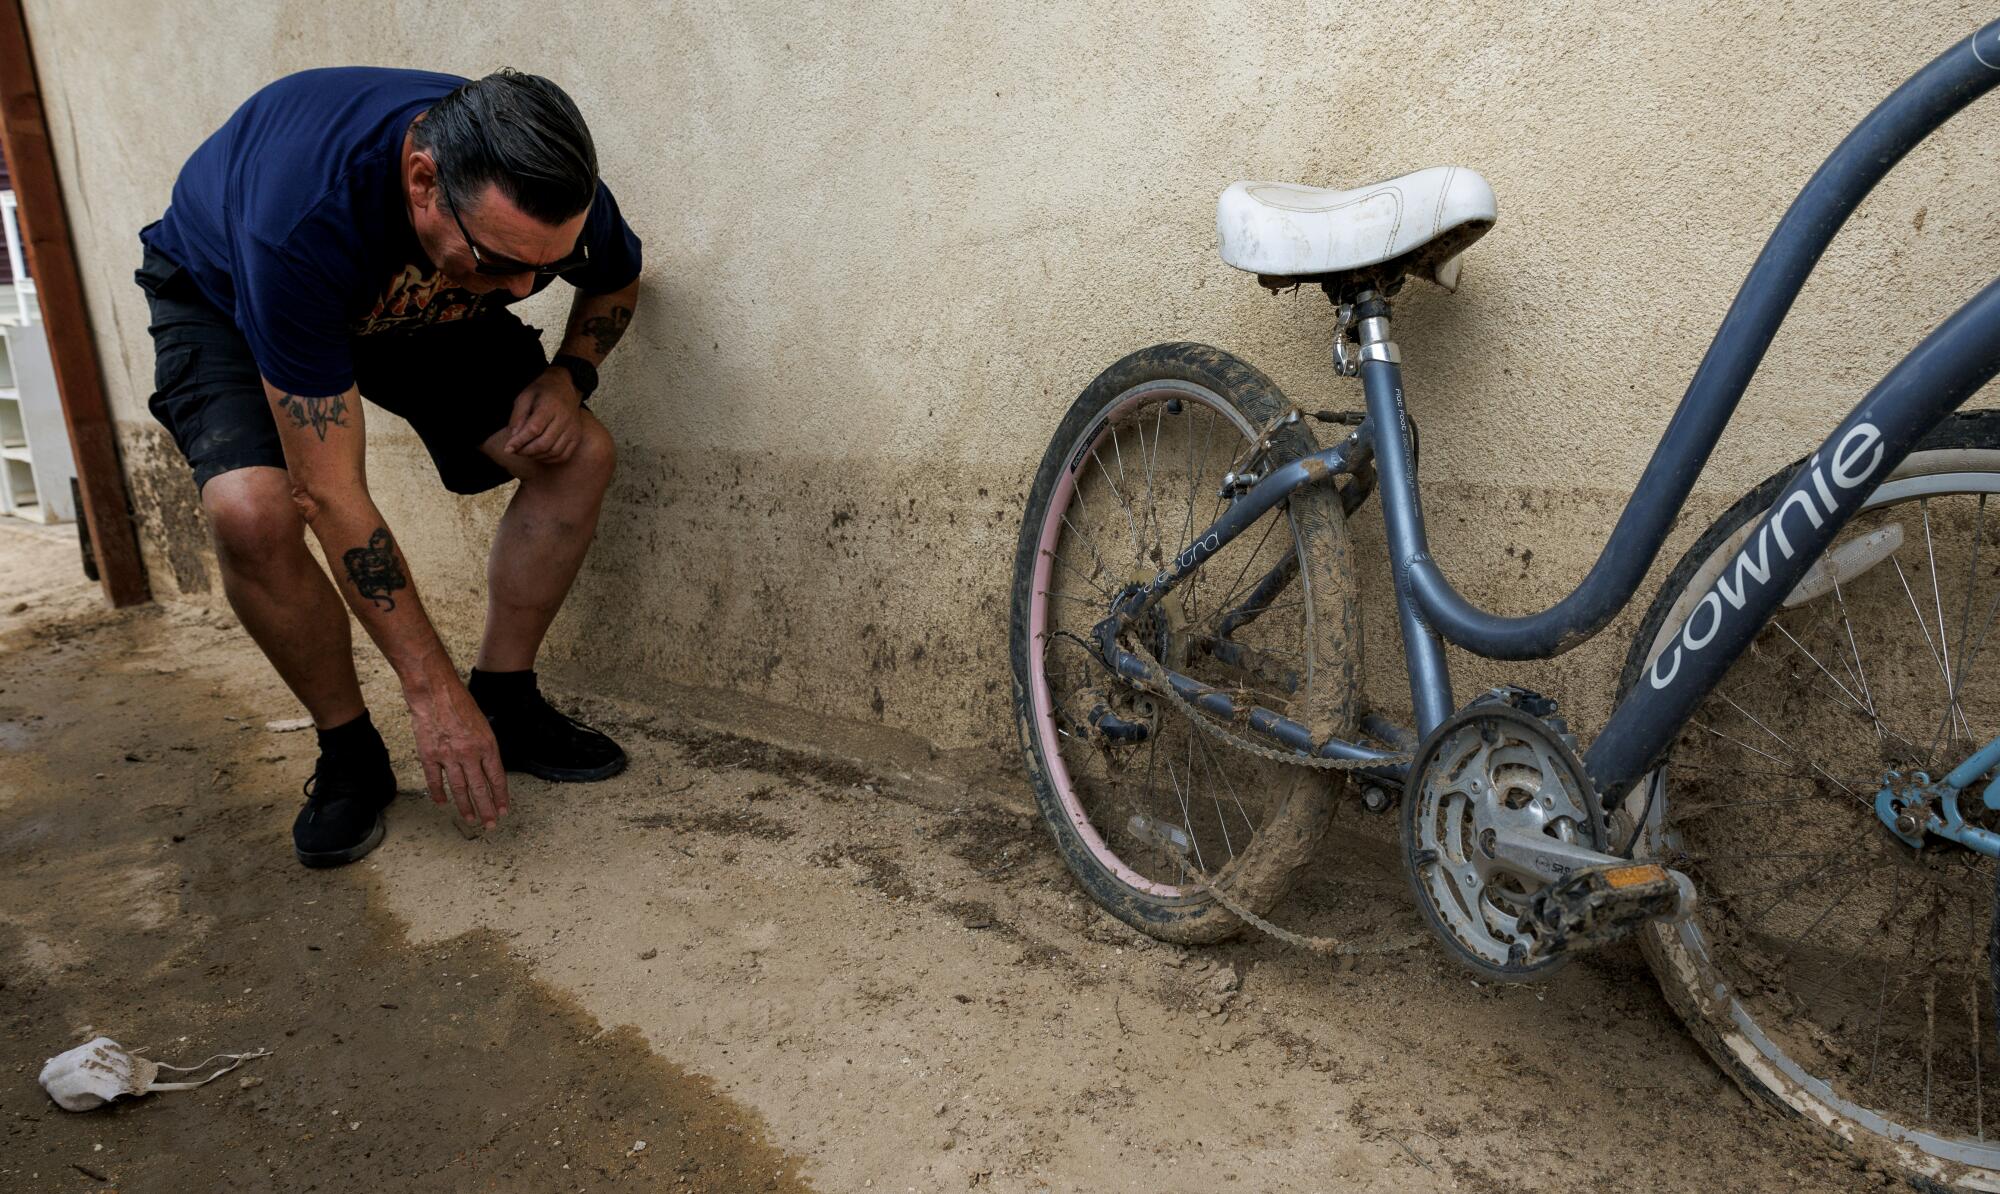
(1375, 342)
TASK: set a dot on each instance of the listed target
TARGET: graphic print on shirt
(417, 298)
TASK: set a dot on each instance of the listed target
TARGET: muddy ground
(784, 954)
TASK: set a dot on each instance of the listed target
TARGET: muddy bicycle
(1794, 802)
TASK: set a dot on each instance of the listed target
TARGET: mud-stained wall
(888, 243)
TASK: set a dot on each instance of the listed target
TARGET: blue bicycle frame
(1944, 370)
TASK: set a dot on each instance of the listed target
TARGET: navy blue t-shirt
(291, 217)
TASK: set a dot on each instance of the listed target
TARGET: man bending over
(360, 233)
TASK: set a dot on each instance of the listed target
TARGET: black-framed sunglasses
(495, 265)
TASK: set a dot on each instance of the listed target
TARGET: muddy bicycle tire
(1869, 1026)
(1293, 805)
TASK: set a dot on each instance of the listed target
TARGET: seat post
(1380, 367)
(1371, 312)
(1362, 333)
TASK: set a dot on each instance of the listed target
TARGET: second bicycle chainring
(1499, 764)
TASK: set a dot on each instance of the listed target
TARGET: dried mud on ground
(784, 955)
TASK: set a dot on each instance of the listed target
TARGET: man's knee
(253, 517)
(596, 455)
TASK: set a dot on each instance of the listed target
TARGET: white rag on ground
(100, 1070)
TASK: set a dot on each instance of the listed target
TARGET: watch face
(581, 372)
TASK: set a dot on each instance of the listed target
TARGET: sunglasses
(492, 264)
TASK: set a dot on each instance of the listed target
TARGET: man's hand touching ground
(547, 424)
(457, 748)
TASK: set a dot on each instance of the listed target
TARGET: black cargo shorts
(455, 382)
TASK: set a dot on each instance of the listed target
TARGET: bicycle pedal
(1597, 905)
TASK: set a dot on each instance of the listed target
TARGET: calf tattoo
(374, 569)
(317, 413)
(605, 329)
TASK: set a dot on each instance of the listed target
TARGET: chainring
(1493, 765)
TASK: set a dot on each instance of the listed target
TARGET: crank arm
(1537, 858)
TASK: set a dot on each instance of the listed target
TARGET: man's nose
(520, 285)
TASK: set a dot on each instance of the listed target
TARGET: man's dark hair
(518, 131)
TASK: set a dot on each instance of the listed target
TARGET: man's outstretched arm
(323, 443)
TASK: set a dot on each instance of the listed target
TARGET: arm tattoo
(374, 569)
(317, 413)
(605, 329)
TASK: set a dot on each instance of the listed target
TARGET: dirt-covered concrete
(777, 951)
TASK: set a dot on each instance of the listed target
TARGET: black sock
(357, 740)
(500, 689)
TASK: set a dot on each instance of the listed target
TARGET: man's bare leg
(541, 543)
(280, 593)
(297, 619)
(536, 553)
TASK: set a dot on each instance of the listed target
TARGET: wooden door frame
(93, 435)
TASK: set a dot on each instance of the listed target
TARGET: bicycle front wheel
(1832, 967)
(1134, 472)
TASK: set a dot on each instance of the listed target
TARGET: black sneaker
(342, 820)
(536, 738)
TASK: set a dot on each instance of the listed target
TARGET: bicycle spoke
(1861, 670)
(1221, 819)
(1104, 592)
(1828, 911)
(1895, 906)
(1137, 547)
(1071, 597)
(1215, 616)
(1930, 1037)
(1844, 691)
(1937, 600)
(1152, 512)
(1848, 700)
(1187, 817)
(1096, 557)
(1236, 585)
(1779, 739)
(1966, 664)
(1972, 1002)
(1971, 579)
(1944, 671)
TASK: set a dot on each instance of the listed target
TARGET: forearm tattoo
(375, 570)
(605, 329)
(317, 413)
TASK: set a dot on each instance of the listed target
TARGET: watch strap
(581, 372)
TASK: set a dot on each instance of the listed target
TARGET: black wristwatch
(581, 372)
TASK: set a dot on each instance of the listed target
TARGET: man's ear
(423, 179)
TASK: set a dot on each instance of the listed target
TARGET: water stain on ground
(184, 925)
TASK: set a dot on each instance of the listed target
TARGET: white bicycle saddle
(1422, 221)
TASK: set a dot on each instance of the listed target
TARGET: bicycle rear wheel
(1132, 474)
(1831, 968)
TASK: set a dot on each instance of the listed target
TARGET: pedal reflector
(1635, 876)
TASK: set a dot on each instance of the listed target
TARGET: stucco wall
(888, 243)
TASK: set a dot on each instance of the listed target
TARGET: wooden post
(93, 437)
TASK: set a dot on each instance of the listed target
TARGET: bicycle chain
(1319, 945)
(1159, 685)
